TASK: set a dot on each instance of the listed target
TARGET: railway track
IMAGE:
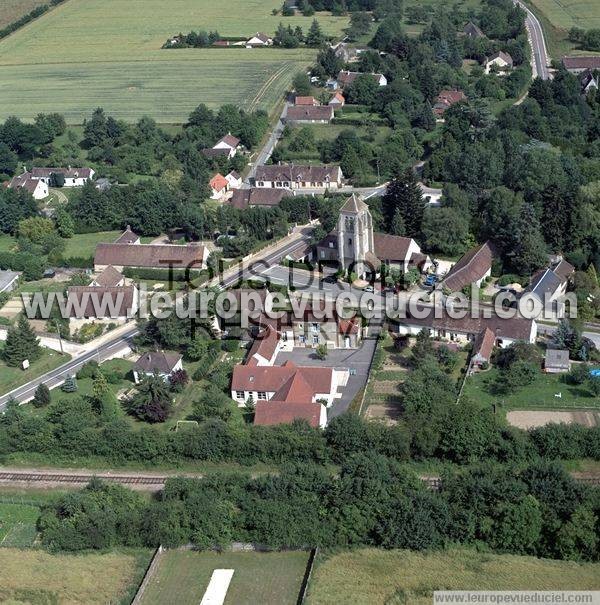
(12, 476)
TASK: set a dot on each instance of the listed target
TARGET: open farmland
(375, 577)
(272, 578)
(12, 10)
(61, 62)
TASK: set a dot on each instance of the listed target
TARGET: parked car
(431, 280)
(368, 289)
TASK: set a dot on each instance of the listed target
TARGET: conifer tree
(41, 397)
(69, 385)
(21, 344)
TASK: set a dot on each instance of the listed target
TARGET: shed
(557, 361)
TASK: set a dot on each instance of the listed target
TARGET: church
(354, 245)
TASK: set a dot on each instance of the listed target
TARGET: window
(315, 328)
(239, 395)
(315, 340)
(261, 395)
(261, 183)
(302, 338)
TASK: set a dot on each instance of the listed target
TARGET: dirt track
(527, 419)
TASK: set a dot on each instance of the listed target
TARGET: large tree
(404, 194)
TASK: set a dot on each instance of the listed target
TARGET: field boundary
(150, 571)
(307, 575)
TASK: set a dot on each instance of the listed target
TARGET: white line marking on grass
(217, 587)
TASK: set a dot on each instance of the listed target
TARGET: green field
(37, 577)
(17, 524)
(565, 14)
(11, 10)
(266, 578)
(538, 395)
(375, 577)
(90, 53)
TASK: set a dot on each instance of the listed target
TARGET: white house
(289, 176)
(228, 143)
(157, 362)
(37, 188)
(234, 180)
(74, 177)
(259, 39)
(498, 61)
(219, 186)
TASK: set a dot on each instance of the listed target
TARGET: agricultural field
(17, 524)
(539, 395)
(565, 14)
(35, 576)
(375, 577)
(55, 64)
(12, 10)
(268, 578)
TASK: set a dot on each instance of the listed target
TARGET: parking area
(356, 360)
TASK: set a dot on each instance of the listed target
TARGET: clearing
(528, 419)
(272, 578)
(372, 577)
(35, 576)
(56, 64)
(565, 14)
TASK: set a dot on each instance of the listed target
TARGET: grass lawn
(539, 395)
(7, 242)
(265, 578)
(54, 64)
(83, 245)
(35, 576)
(375, 577)
(17, 524)
(11, 378)
(11, 10)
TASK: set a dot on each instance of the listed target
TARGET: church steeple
(355, 234)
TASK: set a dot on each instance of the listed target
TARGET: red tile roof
(265, 345)
(484, 344)
(229, 140)
(270, 379)
(100, 302)
(109, 278)
(127, 237)
(306, 101)
(218, 182)
(581, 62)
(309, 113)
(258, 196)
(272, 412)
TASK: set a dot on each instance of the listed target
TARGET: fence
(307, 575)
(154, 563)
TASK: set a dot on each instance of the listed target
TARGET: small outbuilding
(557, 361)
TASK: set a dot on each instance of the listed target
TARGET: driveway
(352, 359)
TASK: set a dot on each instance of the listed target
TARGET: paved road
(57, 376)
(265, 153)
(537, 42)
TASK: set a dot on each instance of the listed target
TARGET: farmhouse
(556, 361)
(337, 100)
(289, 176)
(549, 284)
(446, 99)
(471, 269)
(346, 78)
(577, 65)
(156, 362)
(219, 186)
(38, 188)
(354, 245)
(467, 329)
(244, 198)
(74, 177)
(473, 31)
(499, 61)
(234, 180)
(150, 256)
(309, 114)
(101, 304)
(347, 53)
(258, 40)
